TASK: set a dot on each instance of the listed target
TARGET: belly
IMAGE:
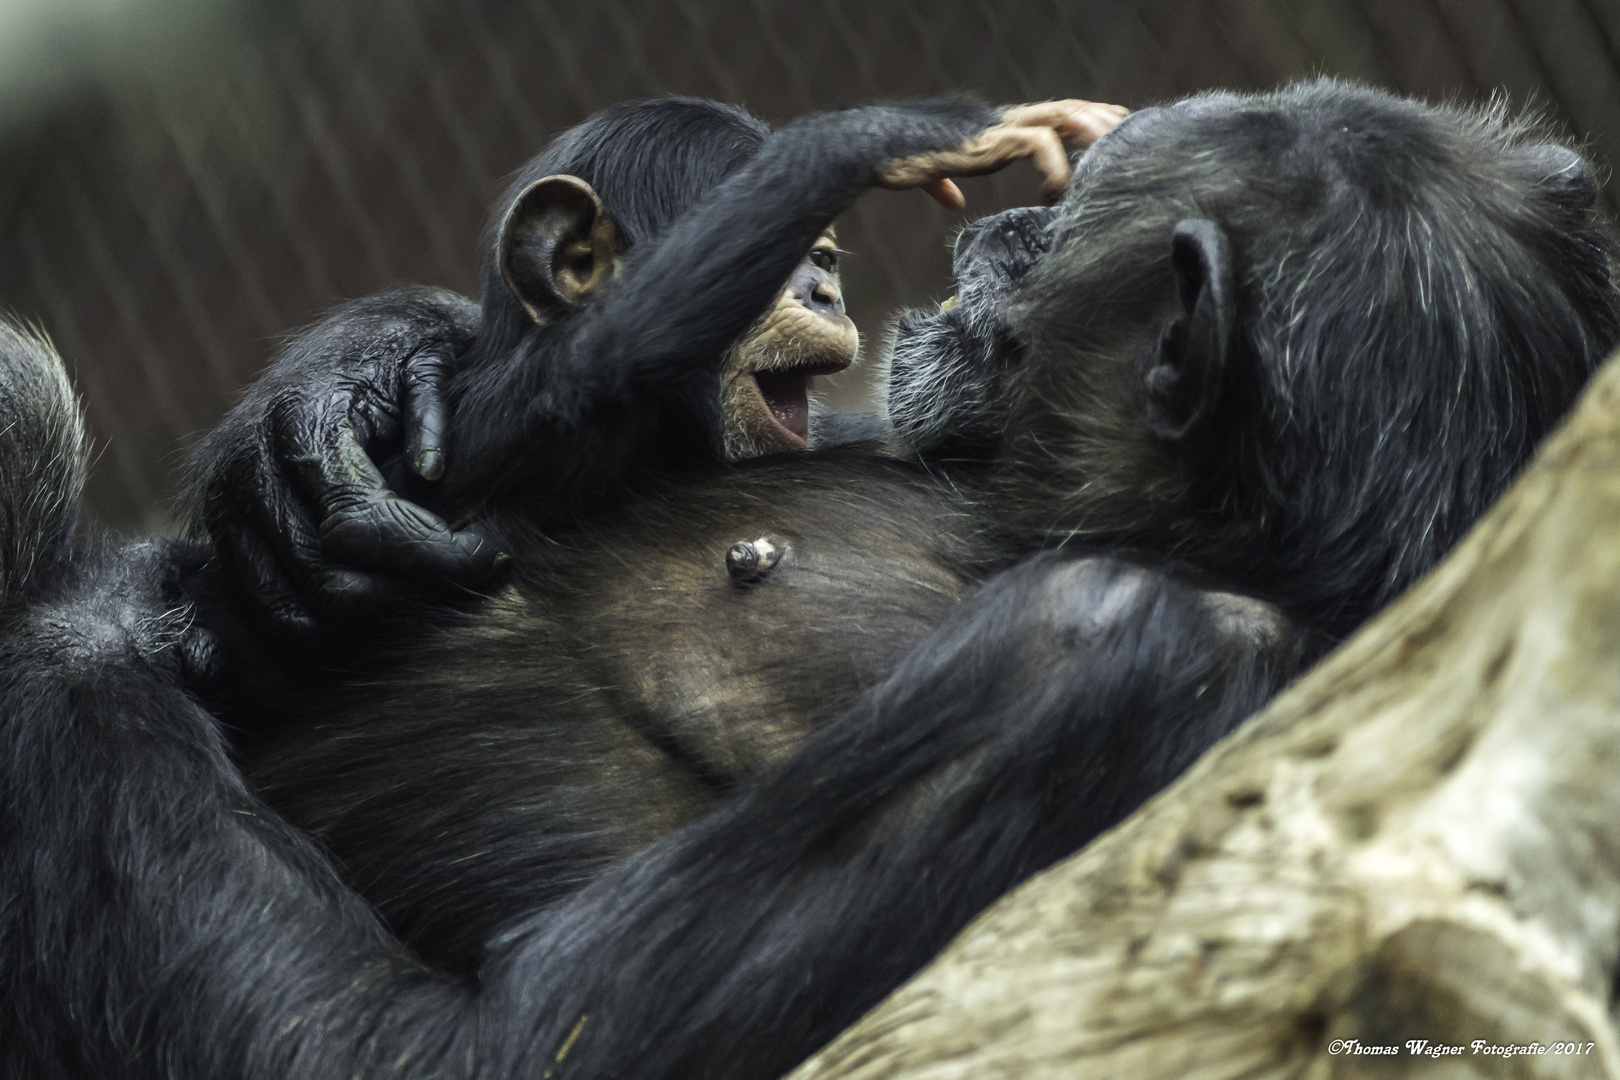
(622, 680)
(731, 666)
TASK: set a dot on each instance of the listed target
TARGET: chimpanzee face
(945, 365)
(765, 390)
(1303, 338)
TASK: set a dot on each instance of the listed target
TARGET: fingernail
(430, 464)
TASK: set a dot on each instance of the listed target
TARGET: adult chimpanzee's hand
(1040, 132)
(288, 486)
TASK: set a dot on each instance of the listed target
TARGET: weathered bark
(1419, 841)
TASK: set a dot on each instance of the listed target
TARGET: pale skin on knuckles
(1038, 132)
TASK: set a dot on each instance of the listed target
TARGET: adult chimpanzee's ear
(1183, 377)
(557, 245)
(1562, 173)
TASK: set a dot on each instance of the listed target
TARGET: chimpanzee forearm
(700, 287)
(661, 330)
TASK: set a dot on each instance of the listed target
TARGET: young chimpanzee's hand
(1040, 132)
(288, 487)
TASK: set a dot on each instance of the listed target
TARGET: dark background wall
(181, 182)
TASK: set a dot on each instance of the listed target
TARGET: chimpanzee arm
(286, 486)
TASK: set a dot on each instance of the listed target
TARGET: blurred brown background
(183, 181)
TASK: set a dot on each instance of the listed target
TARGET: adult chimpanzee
(1042, 706)
(626, 680)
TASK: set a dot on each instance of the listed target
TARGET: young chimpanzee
(563, 400)
(383, 360)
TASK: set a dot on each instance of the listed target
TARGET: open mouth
(786, 391)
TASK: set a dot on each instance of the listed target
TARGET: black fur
(1422, 293)
(624, 683)
(613, 690)
(633, 374)
(158, 919)
(42, 463)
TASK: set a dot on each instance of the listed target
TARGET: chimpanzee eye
(826, 258)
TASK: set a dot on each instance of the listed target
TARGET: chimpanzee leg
(155, 918)
(1046, 709)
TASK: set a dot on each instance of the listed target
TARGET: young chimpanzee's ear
(557, 245)
(1184, 373)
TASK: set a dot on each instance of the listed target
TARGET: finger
(322, 448)
(345, 596)
(1091, 121)
(379, 531)
(257, 517)
(270, 593)
(1039, 113)
(304, 604)
(425, 411)
(284, 566)
(946, 193)
(1077, 121)
(1050, 157)
(363, 523)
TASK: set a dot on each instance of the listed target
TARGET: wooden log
(1416, 847)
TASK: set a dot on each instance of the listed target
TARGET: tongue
(786, 393)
